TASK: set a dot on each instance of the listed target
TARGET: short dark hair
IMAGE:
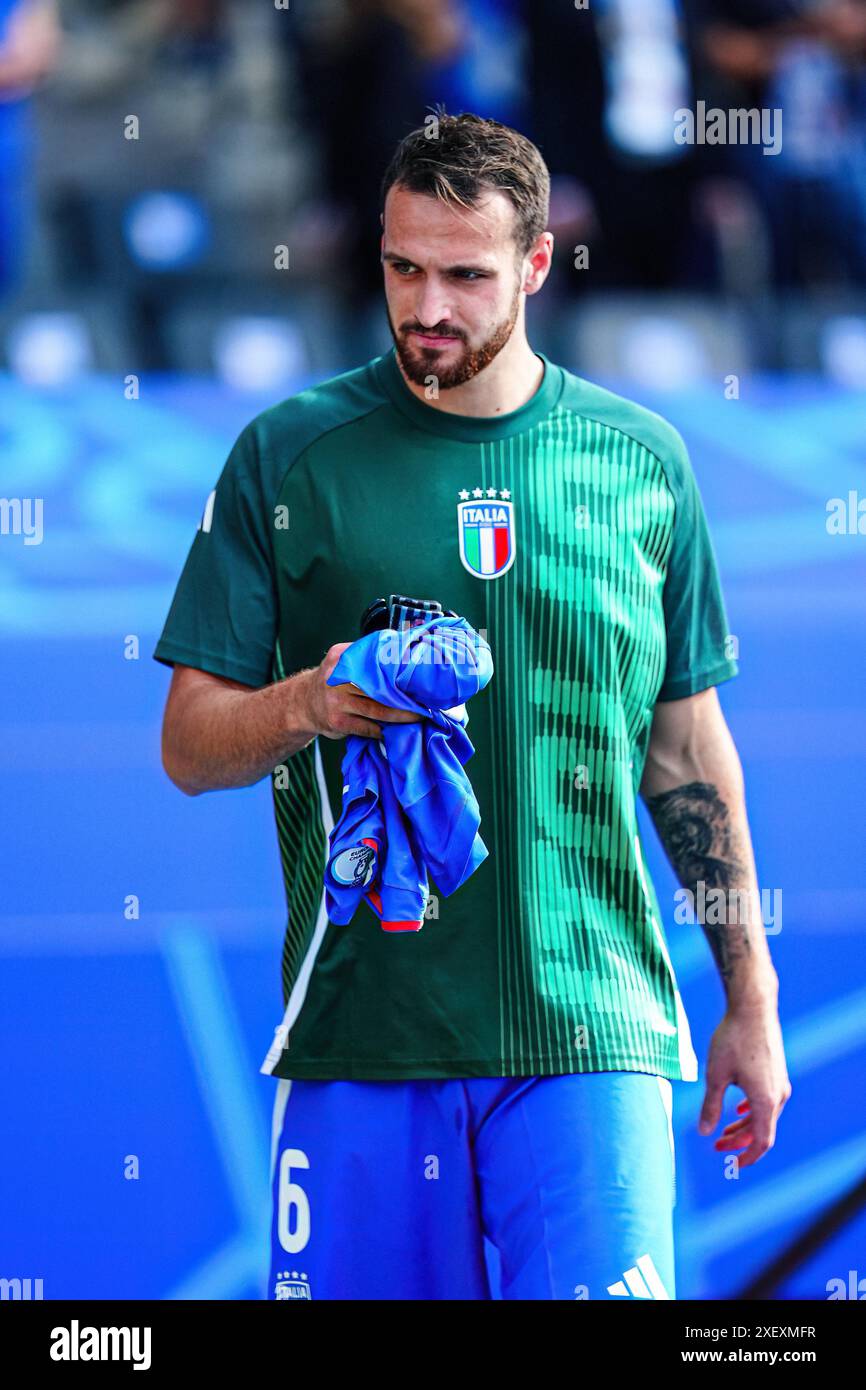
(469, 156)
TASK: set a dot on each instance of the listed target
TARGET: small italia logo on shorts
(485, 531)
(292, 1283)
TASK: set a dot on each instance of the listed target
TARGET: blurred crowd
(159, 150)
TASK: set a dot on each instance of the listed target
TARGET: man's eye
(468, 275)
(403, 267)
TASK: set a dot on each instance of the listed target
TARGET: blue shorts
(523, 1187)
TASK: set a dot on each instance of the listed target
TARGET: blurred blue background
(143, 323)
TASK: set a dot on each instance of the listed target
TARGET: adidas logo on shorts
(641, 1281)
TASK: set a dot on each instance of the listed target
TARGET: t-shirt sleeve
(698, 650)
(223, 617)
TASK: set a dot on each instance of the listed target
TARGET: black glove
(398, 611)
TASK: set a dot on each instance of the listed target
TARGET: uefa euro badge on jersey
(485, 531)
(355, 866)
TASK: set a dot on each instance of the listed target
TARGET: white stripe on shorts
(284, 1086)
(667, 1095)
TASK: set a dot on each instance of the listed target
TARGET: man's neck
(510, 380)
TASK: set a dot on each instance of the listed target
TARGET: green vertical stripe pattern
(302, 841)
(593, 520)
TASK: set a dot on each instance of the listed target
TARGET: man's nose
(432, 307)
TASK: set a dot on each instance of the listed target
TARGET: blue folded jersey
(409, 812)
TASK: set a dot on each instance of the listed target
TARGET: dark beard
(419, 364)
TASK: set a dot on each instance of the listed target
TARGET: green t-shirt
(570, 533)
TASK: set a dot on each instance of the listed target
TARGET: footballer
(505, 1073)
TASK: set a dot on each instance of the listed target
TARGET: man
(506, 1070)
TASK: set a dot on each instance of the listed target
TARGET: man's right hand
(335, 711)
(219, 733)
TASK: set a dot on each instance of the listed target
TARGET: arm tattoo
(694, 826)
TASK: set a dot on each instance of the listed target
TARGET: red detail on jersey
(501, 546)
